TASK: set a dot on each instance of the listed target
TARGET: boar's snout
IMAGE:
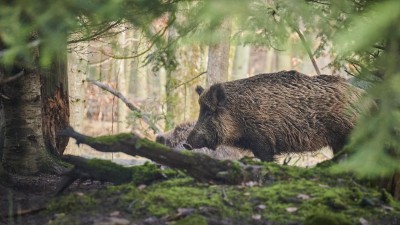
(198, 140)
(163, 140)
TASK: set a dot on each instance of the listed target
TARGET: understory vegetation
(283, 195)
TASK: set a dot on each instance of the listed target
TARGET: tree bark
(218, 57)
(31, 111)
(55, 103)
(23, 137)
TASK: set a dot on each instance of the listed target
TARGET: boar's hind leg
(338, 144)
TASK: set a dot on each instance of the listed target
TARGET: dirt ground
(22, 202)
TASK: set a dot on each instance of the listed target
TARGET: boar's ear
(218, 97)
(199, 89)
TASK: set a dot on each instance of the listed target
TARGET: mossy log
(107, 171)
(199, 166)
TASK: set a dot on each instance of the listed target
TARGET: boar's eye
(207, 113)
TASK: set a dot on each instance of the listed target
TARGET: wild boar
(276, 113)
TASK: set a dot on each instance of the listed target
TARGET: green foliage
(373, 39)
(367, 29)
(27, 25)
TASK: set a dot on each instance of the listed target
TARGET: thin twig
(308, 49)
(319, 2)
(91, 37)
(12, 78)
(130, 105)
(193, 78)
(25, 212)
(158, 34)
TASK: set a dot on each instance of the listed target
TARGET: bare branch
(130, 105)
(152, 41)
(320, 2)
(308, 49)
(12, 78)
(91, 37)
(186, 82)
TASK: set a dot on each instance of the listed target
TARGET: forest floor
(27, 198)
(284, 195)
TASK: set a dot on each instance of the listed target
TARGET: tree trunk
(218, 57)
(33, 108)
(170, 97)
(241, 62)
(122, 80)
(24, 147)
(77, 72)
(55, 103)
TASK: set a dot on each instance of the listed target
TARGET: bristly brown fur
(277, 113)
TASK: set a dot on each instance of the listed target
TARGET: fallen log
(199, 166)
(107, 171)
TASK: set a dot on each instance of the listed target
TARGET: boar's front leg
(262, 150)
(265, 154)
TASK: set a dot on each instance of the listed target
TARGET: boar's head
(215, 124)
(176, 136)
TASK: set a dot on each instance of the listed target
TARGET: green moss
(150, 144)
(63, 219)
(387, 198)
(164, 199)
(150, 172)
(118, 173)
(72, 203)
(186, 152)
(110, 139)
(143, 174)
(192, 220)
(326, 219)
